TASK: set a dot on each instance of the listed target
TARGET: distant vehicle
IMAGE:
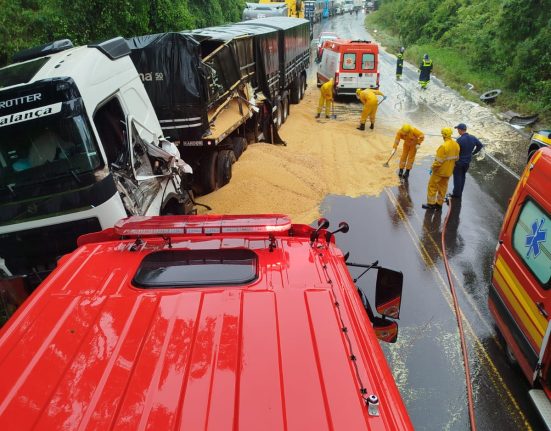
(205, 322)
(294, 8)
(324, 36)
(348, 6)
(352, 63)
(539, 139)
(520, 292)
(313, 10)
(339, 7)
(257, 10)
(370, 6)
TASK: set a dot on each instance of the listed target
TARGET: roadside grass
(450, 67)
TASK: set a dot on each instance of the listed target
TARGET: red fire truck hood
(91, 351)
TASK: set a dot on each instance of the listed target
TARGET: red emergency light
(202, 225)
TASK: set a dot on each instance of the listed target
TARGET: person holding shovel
(368, 97)
(326, 98)
(412, 138)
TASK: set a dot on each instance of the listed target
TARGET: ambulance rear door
(367, 76)
(349, 69)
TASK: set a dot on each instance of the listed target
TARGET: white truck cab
(80, 147)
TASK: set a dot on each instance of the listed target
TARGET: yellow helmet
(358, 91)
(406, 128)
(446, 132)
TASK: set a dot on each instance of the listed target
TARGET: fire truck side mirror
(385, 330)
(388, 294)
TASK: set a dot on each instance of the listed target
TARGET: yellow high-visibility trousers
(369, 111)
(408, 155)
(327, 103)
(437, 189)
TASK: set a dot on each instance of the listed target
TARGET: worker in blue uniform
(425, 68)
(469, 145)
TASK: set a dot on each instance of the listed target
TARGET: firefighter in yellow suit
(326, 98)
(442, 168)
(368, 97)
(412, 138)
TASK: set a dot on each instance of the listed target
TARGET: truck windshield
(43, 149)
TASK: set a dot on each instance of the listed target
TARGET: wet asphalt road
(394, 229)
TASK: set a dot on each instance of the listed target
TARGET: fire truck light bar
(202, 225)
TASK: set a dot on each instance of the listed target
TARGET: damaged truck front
(80, 147)
(218, 88)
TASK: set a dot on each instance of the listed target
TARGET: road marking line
(443, 287)
(484, 319)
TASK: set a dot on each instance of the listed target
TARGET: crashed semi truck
(80, 147)
(82, 130)
(215, 89)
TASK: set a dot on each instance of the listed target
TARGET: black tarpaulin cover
(175, 79)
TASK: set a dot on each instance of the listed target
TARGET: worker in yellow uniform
(442, 169)
(368, 97)
(326, 98)
(412, 138)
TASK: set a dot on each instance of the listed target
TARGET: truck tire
(279, 115)
(303, 86)
(296, 89)
(286, 109)
(226, 158)
(239, 145)
(207, 172)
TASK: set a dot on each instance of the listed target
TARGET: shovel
(333, 115)
(382, 100)
(391, 155)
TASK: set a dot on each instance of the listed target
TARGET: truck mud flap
(269, 129)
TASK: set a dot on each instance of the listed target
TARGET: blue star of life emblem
(534, 239)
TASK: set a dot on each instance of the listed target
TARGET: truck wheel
(510, 356)
(207, 172)
(173, 208)
(286, 109)
(279, 115)
(295, 90)
(303, 86)
(239, 145)
(226, 158)
(189, 208)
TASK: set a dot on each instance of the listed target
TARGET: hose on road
(458, 317)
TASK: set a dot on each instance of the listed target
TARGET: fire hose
(472, 418)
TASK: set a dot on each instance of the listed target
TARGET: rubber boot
(400, 172)
(406, 174)
(362, 127)
(327, 116)
(318, 115)
(372, 126)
